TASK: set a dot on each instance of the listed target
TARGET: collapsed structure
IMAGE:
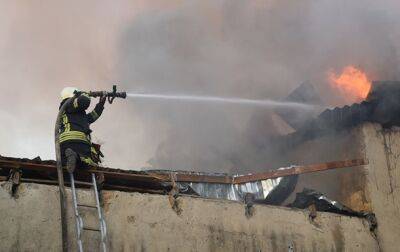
(189, 211)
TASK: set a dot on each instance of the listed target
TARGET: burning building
(310, 206)
(337, 185)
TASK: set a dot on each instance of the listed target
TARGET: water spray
(216, 99)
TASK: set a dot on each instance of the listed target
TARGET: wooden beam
(204, 178)
(198, 178)
(298, 170)
(153, 177)
(187, 177)
(106, 171)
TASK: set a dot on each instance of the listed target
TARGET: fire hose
(63, 204)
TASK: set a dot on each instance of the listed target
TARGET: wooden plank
(181, 177)
(204, 178)
(187, 177)
(298, 170)
(31, 166)
(108, 174)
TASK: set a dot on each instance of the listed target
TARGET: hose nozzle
(110, 95)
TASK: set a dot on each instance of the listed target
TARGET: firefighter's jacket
(75, 126)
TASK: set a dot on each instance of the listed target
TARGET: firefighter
(75, 142)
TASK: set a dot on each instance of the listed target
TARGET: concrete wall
(382, 148)
(143, 222)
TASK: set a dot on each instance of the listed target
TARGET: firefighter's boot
(72, 159)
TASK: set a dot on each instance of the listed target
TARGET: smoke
(255, 50)
(48, 46)
(249, 49)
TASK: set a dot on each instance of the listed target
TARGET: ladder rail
(103, 227)
(78, 218)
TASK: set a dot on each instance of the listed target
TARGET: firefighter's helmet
(68, 92)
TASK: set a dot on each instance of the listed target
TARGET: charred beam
(107, 174)
(181, 177)
(157, 178)
(298, 170)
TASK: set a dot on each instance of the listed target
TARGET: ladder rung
(92, 229)
(84, 205)
(79, 182)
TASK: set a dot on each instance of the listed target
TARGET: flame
(352, 83)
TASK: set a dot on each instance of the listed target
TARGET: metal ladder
(79, 221)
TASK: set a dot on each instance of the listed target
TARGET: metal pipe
(63, 198)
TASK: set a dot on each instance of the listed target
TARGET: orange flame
(352, 83)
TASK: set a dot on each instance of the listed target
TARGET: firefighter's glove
(103, 98)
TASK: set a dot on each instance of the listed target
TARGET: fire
(352, 83)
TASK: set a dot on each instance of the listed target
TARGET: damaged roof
(160, 181)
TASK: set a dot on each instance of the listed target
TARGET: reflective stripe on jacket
(75, 126)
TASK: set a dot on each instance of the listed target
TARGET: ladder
(80, 227)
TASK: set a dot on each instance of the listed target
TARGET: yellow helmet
(68, 92)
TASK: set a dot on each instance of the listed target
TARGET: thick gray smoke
(250, 49)
(241, 48)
